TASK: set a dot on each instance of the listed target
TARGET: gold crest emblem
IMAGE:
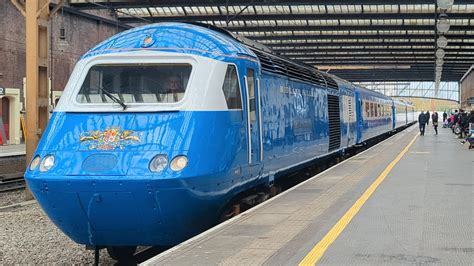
(109, 139)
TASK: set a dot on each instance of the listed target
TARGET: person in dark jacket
(434, 118)
(470, 118)
(462, 122)
(427, 117)
(454, 120)
(445, 115)
(422, 123)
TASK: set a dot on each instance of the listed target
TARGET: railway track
(12, 184)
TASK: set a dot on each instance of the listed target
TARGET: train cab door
(394, 116)
(255, 149)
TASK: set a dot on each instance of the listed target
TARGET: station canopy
(363, 40)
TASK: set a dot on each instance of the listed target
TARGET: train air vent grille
(279, 65)
(330, 81)
(265, 61)
(334, 123)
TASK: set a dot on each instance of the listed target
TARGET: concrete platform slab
(421, 213)
(12, 150)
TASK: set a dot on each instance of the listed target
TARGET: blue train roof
(173, 37)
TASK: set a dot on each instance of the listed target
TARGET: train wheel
(122, 253)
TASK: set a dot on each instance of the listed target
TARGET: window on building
(62, 34)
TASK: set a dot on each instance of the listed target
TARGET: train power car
(160, 126)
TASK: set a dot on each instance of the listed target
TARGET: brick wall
(81, 34)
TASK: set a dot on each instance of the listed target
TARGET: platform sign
(2, 91)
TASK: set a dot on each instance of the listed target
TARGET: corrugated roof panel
(331, 9)
(464, 8)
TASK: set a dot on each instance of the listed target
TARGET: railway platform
(407, 200)
(12, 161)
(12, 150)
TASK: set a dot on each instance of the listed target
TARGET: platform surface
(421, 213)
(12, 150)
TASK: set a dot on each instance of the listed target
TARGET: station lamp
(442, 42)
(443, 24)
(445, 4)
(440, 53)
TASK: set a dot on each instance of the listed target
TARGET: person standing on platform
(445, 116)
(434, 118)
(428, 117)
(470, 117)
(453, 120)
(422, 123)
(462, 123)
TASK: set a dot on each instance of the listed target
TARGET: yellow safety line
(318, 251)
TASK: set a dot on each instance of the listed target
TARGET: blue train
(160, 126)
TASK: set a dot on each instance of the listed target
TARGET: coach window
(231, 89)
(372, 110)
(251, 88)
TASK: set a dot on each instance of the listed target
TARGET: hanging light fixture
(439, 61)
(445, 4)
(440, 53)
(439, 68)
(443, 24)
(442, 42)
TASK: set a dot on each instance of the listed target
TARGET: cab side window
(231, 89)
(251, 88)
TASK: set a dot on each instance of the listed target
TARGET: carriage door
(253, 118)
(359, 117)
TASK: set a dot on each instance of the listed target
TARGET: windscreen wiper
(115, 99)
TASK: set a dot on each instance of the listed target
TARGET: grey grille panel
(334, 122)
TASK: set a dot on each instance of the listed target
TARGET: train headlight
(47, 163)
(34, 163)
(158, 163)
(179, 163)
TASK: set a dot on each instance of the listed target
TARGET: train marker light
(158, 163)
(148, 41)
(47, 163)
(179, 163)
(34, 163)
